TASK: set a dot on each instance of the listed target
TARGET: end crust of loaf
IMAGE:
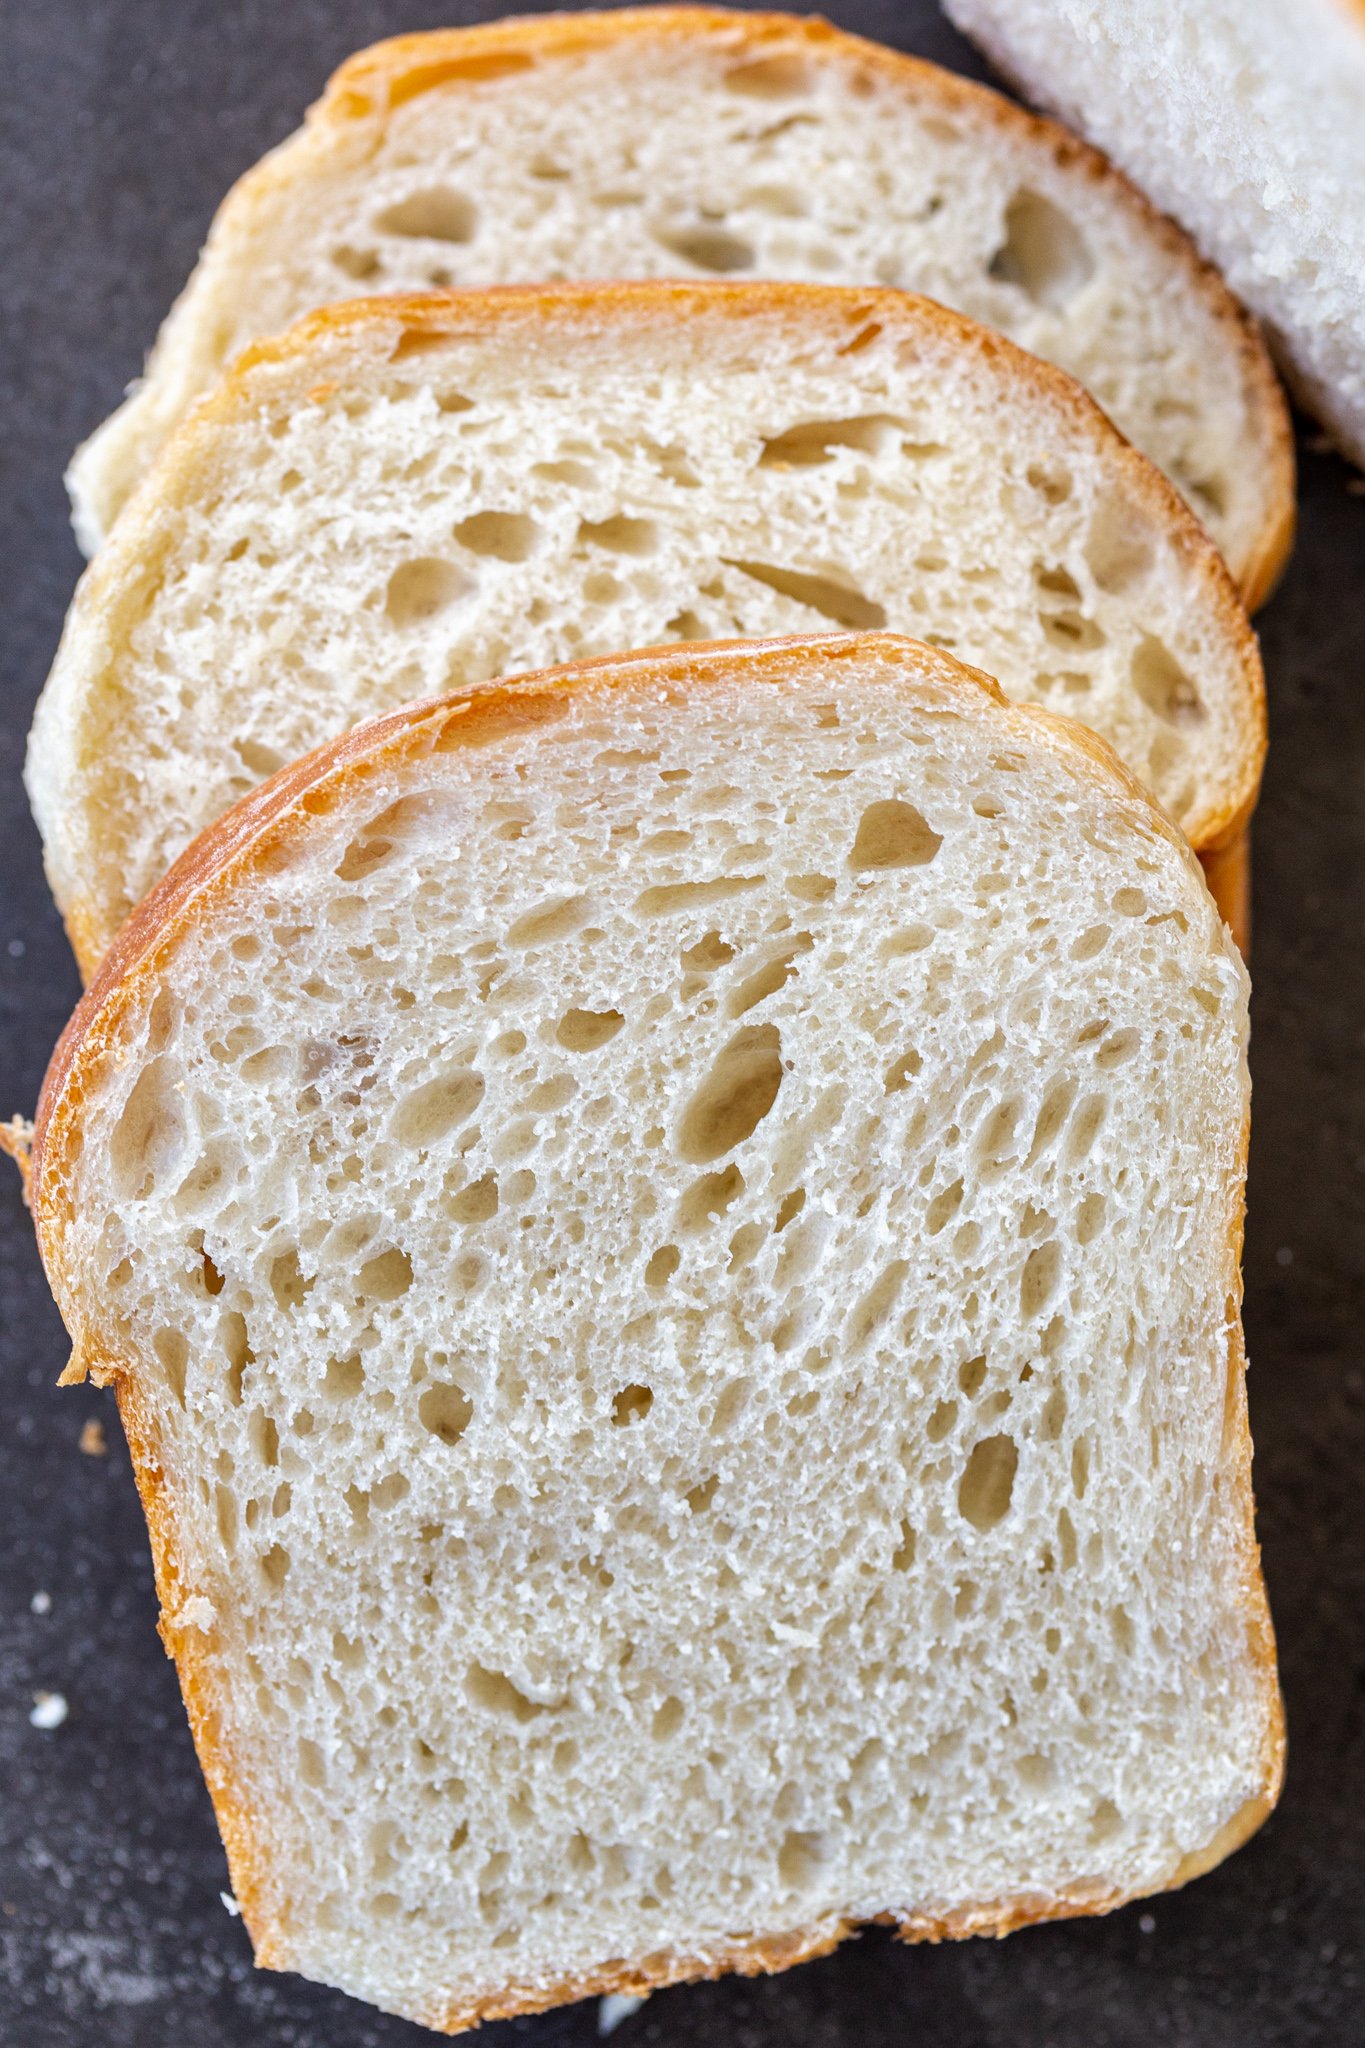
(255, 841)
(1245, 122)
(85, 792)
(380, 85)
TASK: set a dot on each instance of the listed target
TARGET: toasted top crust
(339, 342)
(363, 94)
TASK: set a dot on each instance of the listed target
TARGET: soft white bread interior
(404, 497)
(689, 141)
(679, 1326)
(1245, 119)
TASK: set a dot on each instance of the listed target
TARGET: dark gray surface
(123, 126)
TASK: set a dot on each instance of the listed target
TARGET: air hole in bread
(436, 215)
(506, 536)
(1163, 685)
(709, 952)
(587, 1030)
(810, 442)
(446, 1410)
(670, 898)
(908, 939)
(1080, 1467)
(1043, 252)
(1085, 1127)
(874, 1309)
(149, 1136)
(734, 1399)
(941, 1421)
(735, 1097)
(442, 1105)
(275, 1566)
(1120, 547)
(477, 1203)
(710, 1197)
(386, 1276)
(893, 834)
(768, 979)
(781, 77)
(343, 1377)
(620, 535)
(632, 1404)
(1116, 1049)
(360, 265)
(287, 1283)
(842, 602)
(495, 1693)
(259, 759)
(801, 1860)
(971, 1377)
(559, 918)
(663, 1264)
(943, 1208)
(707, 246)
(987, 1484)
(1038, 1282)
(419, 590)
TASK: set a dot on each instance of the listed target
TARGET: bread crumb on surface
(41, 1603)
(93, 1441)
(49, 1709)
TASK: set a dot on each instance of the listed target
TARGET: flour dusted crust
(339, 344)
(240, 852)
(353, 114)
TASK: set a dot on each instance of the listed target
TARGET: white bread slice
(1245, 119)
(679, 1326)
(408, 496)
(686, 141)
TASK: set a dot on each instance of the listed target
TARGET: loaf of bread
(404, 497)
(1245, 119)
(692, 141)
(678, 1326)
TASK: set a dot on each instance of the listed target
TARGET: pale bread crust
(369, 84)
(238, 849)
(326, 346)
(1227, 871)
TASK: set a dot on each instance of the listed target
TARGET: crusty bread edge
(243, 843)
(127, 567)
(371, 82)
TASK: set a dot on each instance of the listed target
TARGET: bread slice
(407, 496)
(679, 1326)
(1245, 119)
(690, 141)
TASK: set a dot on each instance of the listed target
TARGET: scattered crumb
(49, 1709)
(231, 1904)
(196, 1612)
(615, 2007)
(93, 1440)
(41, 1603)
(1147, 1924)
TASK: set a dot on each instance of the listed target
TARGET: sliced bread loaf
(690, 141)
(679, 1327)
(409, 496)
(1246, 120)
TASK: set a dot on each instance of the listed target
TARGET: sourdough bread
(679, 1328)
(690, 141)
(1245, 119)
(404, 497)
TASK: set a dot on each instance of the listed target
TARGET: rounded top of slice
(256, 836)
(694, 141)
(413, 494)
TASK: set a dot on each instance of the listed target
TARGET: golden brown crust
(238, 850)
(389, 73)
(323, 345)
(1227, 870)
